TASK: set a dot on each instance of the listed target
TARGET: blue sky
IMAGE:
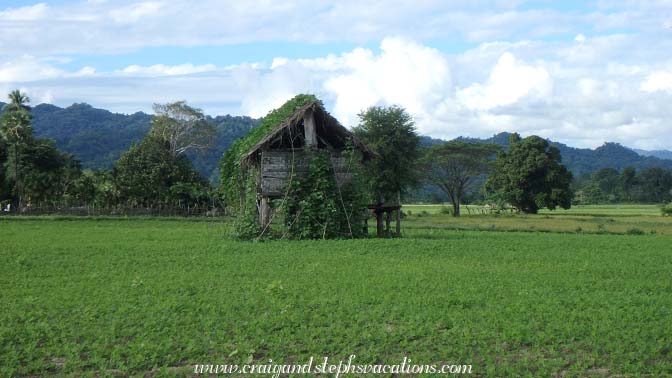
(581, 72)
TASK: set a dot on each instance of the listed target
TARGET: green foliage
(149, 174)
(651, 185)
(183, 127)
(123, 298)
(16, 127)
(45, 172)
(246, 224)
(454, 166)
(390, 133)
(581, 161)
(667, 210)
(34, 171)
(232, 175)
(5, 190)
(530, 176)
(17, 101)
(98, 137)
(316, 208)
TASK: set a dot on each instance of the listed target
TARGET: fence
(119, 211)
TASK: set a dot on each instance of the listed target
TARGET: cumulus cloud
(165, 70)
(658, 81)
(126, 25)
(510, 80)
(578, 77)
(404, 73)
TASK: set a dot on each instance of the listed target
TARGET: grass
(616, 219)
(591, 210)
(143, 297)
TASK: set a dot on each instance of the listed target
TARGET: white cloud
(135, 12)
(510, 81)
(165, 70)
(405, 73)
(23, 14)
(658, 81)
(601, 75)
(126, 25)
(25, 69)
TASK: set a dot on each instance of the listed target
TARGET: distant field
(117, 297)
(575, 210)
(619, 219)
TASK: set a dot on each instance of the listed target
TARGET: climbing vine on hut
(314, 205)
(233, 177)
(317, 208)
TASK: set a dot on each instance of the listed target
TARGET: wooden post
(379, 223)
(365, 227)
(399, 213)
(388, 217)
(264, 212)
(399, 221)
(309, 129)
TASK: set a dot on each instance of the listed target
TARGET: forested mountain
(661, 154)
(584, 160)
(98, 137)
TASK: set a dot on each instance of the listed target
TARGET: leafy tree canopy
(149, 174)
(390, 133)
(530, 175)
(454, 166)
(183, 127)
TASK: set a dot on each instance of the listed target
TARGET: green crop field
(152, 298)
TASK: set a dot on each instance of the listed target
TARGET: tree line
(608, 185)
(155, 172)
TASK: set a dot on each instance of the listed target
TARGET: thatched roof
(328, 128)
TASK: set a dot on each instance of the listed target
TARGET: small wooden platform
(385, 210)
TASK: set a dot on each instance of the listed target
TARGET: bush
(667, 210)
(445, 210)
(317, 208)
(246, 225)
(634, 231)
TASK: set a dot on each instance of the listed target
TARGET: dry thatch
(330, 132)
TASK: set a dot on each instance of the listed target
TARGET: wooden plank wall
(276, 167)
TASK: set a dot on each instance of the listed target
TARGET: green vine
(232, 175)
(246, 225)
(317, 208)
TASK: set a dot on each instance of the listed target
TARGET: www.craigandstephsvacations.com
(336, 368)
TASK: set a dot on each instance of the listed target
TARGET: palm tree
(19, 123)
(17, 101)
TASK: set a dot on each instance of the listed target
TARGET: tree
(656, 185)
(608, 181)
(530, 176)
(146, 174)
(43, 170)
(391, 134)
(17, 101)
(5, 192)
(183, 127)
(16, 130)
(628, 181)
(453, 166)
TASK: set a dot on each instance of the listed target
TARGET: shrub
(667, 210)
(246, 225)
(317, 208)
(634, 231)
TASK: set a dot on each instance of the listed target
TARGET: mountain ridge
(98, 137)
